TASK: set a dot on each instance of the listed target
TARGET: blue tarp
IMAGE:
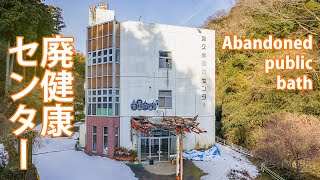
(202, 155)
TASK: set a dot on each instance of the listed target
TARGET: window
(94, 138)
(165, 99)
(99, 60)
(105, 52)
(99, 109)
(105, 59)
(99, 53)
(117, 55)
(116, 134)
(94, 109)
(94, 54)
(117, 108)
(110, 51)
(105, 139)
(89, 109)
(165, 60)
(105, 109)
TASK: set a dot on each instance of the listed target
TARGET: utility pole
(179, 173)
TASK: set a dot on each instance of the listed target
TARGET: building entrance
(160, 146)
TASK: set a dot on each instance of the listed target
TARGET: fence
(265, 169)
(235, 147)
(245, 151)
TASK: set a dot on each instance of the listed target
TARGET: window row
(102, 30)
(102, 99)
(105, 138)
(99, 53)
(106, 57)
(103, 109)
(102, 92)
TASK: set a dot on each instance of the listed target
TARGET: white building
(144, 69)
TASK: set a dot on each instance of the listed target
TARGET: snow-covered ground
(70, 164)
(229, 165)
(4, 156)
(57, 159)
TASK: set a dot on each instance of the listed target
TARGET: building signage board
(140, 105)
(204, 68)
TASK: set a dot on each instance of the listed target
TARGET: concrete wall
(141, 78)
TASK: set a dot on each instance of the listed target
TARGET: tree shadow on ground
(191, 172)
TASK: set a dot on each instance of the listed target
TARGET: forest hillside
(248, 106)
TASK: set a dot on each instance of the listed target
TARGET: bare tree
(295, 12)
(289, 139)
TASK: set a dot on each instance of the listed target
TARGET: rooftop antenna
(140, 18)
(114, 9)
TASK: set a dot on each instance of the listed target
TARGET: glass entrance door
(164, 149)
(156, 148)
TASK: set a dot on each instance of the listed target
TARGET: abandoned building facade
(146, 69)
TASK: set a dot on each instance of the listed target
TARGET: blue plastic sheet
(202, 155)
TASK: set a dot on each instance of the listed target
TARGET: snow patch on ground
(229, 165)
(57, 159)
(4, 156)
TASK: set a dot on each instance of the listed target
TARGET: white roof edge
(130, 21)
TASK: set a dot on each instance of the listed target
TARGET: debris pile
(175, 124)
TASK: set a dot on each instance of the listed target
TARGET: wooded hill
(34, 20)
(247, 101)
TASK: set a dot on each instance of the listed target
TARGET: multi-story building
(145, 69)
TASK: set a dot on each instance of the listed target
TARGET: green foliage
(29, 18)
(32, 19)
(133, 153)
(246, 97)
(12, 170)
(80, 64)
(79, 70)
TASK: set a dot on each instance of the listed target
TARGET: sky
(191, 13)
